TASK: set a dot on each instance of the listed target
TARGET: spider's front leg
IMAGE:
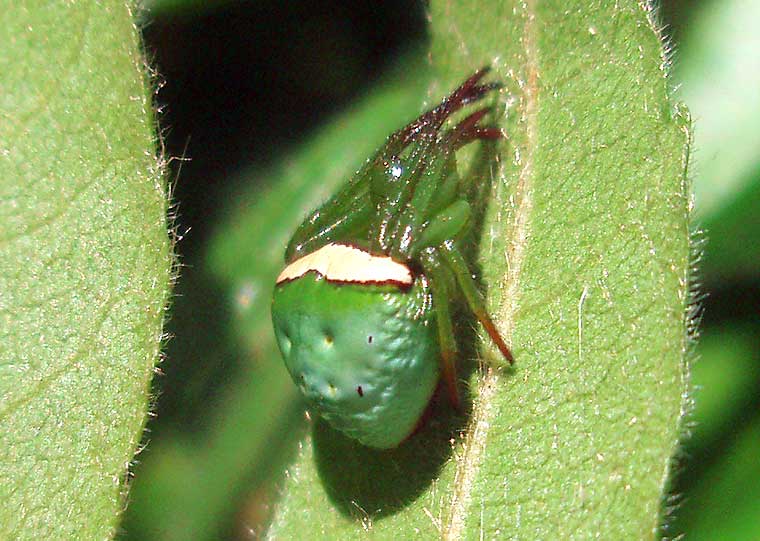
(443, 254)
(456, 263)
(441, 291)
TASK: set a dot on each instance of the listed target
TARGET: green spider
(362, 310)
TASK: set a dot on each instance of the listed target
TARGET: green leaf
(719, 72)
(716, 480)
(585, 255)
(719, 76)
(724, 380)
(85, 264)
(725, 501)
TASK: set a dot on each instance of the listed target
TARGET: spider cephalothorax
(362, 309)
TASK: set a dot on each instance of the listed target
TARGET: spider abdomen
(365, 355)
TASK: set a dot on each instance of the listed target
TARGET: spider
(362, 309)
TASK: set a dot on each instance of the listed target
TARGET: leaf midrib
(476, 434)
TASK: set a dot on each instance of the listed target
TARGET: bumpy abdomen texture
(365, 356)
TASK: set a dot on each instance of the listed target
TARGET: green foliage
(85, 260)
(719, 74)
(585, 252)
(723, 500)
(191, 486)
(85, 263)
(194, 483)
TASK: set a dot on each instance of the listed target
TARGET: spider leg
(436, 189)
(447, 342)
(428, 151)
(458, 266)
(468, 92)
(469, 130)
(447, 224)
